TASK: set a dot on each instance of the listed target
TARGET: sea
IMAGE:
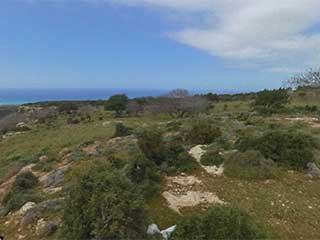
(22, 96)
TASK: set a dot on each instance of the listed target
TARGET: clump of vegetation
(249, 165)
(103, 204)
(211, 158)
(203, 132)
(219, 222)
(67, 107)
(143, 172)
(122, 131)
(168, 154)
(271, 101)
(117, 103)
(151, 143)
(290, 148)
(22, 191)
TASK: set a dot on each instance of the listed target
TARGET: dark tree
(117, 103)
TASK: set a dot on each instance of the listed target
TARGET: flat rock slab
(190, 199)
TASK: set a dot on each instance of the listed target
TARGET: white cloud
(270, 33)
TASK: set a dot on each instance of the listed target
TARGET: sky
(211, 45)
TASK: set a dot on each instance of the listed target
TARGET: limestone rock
(313, 170)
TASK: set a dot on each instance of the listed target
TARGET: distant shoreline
(25, 96)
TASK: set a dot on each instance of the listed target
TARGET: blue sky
(149, 44)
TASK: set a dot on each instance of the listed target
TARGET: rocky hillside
(174, 166)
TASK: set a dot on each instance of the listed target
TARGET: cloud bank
(277, 35)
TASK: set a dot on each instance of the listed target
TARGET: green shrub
(219, 222)
(117, 103)
(271, 101)
(248, 165)
(203, 132)
(101, 203)
(289, 148)
(22, 191)
(151, 143)
(67, 107)
(122, 131)
(144, 174)
(168, 154)
(211, 158)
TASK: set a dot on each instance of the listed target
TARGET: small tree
(178, 93)
(117, 103)
(270, 101)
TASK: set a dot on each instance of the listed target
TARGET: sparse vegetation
(249, 165)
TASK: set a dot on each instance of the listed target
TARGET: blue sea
(21, 96)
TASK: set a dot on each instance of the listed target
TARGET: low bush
(211, 158)
(168, 154)
(68, 107)
(202, 132)
(151, 143)
(249, 165)
(22, 191)
(143, 172)
(219, 222)
(290, 148)
(271, 101)
(101, 203)
(121, 130)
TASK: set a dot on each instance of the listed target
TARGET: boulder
(33, 214)
(153, 229)
(45, 228)
(44, 158)
(313, 170)
(26, 207)
(54, 177)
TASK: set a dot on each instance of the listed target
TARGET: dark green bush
(249, 165)
(143, 172)
(122, 131)
(117, 103)
(312, 109)
(67, 107)
(168, 154)
(151, 143)
(101, 203)
(22, 191)
(271, 101)
(219, 222)
(289, 148)
(211, 158)
(202, 132)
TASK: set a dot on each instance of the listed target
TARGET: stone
(33, 214)
(26, 207)
(153, 229)
(64, 152)
(44, 158)
(45, 228)
(54, 177)
(313, 170)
